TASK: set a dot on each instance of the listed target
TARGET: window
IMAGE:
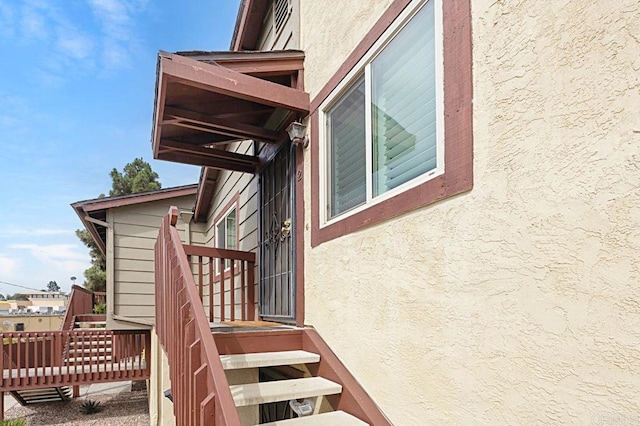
(382, 124)
(383, 131)
(226, 237)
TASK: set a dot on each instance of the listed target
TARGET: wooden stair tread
(332, 418)
(90, 351)
(267, 359)
(90, 358)
(282, 390)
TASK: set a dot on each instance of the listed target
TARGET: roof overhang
(93, 213)
(206, 185)
(251, 15)
(205, 100)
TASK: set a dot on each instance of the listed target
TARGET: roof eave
(246, 33)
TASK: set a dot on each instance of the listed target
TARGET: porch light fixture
(297, 134)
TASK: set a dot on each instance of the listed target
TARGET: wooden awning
(204, 100)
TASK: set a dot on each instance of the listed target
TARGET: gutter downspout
(109, 260)
(186, 218)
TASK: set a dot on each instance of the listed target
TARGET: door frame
(294, 237)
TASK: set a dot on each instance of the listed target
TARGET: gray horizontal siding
(135, 231)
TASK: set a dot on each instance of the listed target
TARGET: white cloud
(8, 266)
(64, 257)
(73, 43)
(33, 23)
(37, 232)
(117, 22)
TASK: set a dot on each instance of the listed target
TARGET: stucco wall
(160, 408)
(519, 302)
(31, 322)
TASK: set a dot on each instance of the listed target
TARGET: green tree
(136, 176)
(2, 297)
(53, 286)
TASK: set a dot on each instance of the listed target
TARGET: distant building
(44, 302)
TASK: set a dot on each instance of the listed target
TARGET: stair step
(92, 322)
(332, 418)
(92, 351)
(102, 342)
(38, 392)
(267, 359)
(282, 390)
(89, 359)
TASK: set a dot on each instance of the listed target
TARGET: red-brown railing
(234, 288)
(80, 302)
(199, 386)
(35, 359)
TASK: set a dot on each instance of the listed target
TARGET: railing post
(222, 290)
(232, 290)
(251, 304)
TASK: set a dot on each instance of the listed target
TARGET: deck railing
(229, 295)
(199, 386)
(38, 359)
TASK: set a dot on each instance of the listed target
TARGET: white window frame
(216, 225)
(363, 67)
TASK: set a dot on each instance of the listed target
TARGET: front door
(277, 239)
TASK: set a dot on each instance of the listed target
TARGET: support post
(1, 406)
(76, 391)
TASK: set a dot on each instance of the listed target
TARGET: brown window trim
(458, 94)
(233, 202)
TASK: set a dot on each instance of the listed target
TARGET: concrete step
(267, 359)
(282, 390)
(337, 418)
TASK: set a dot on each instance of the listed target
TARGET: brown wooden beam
(222, 80)
(184, 158)
(167, 145)
(273, 62)
(206, 123)
(198, 156)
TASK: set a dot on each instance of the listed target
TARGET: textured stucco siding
(160, 408)
(518, 302)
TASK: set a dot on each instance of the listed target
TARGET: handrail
(80, 302)
(200, 390)
(235, 287)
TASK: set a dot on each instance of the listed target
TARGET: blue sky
(76, 99)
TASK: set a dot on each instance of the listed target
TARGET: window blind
(346, 130)
(403, 103)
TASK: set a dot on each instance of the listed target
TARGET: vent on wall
(281, 10)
